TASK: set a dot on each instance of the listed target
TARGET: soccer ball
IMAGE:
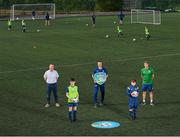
(107, 36)
(134, 94)
(17, 18)
(38, 30)
(75, 100)
(87, 24)
(134, 39)
(114, 22)
(33, 18)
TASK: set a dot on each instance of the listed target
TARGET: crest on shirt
(100, 77)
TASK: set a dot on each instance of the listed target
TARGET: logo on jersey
(100, 78)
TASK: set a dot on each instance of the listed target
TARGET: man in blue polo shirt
(99, 76)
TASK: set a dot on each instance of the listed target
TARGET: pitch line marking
(90, 63)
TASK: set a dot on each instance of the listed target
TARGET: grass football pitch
(74, 48)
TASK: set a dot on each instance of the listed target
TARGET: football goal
(145, 16)
(32, 11)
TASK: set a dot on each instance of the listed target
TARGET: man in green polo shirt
(147, 75)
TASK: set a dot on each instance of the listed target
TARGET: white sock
(151, 101)
(144, 100)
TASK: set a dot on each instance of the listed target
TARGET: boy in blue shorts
(133, 92)
(73, 99)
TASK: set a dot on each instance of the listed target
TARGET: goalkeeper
(47, 18)
(73, 98)
(9, 24)
(147, 33)
(93, 20)
(119, 31)
(133, 92)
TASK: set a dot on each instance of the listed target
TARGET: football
(107, 36)
(75, 100)
(134, 94)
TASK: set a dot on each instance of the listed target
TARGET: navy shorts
(133, 105)
(72, 104)
(147, 87)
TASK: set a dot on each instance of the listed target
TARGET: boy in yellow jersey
(23, 26)
(9, 24)
(73, 99)
(147, 33)
(119, 31)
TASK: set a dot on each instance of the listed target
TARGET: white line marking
(90, 63)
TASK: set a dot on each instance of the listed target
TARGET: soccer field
(74, 48)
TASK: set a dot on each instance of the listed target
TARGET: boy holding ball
(73, 99)
(133, 93)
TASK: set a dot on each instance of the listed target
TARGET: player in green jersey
(23, 26)
(9, 24)
(147, 75)
(119, 31)
(73, 99)
(147, 33)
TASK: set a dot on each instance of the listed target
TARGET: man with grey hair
(51, 77)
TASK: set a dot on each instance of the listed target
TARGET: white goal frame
(150, 16)
(28, 13)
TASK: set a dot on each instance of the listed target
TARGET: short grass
(75, 48)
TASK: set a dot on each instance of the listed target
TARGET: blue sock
(131, 114)
(74, 115)
(70, 116)
(134, 113)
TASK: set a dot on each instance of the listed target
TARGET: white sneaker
(57, 105)
(152, 104)
(47, 105)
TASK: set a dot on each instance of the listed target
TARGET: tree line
(162, 4)
(90, 5)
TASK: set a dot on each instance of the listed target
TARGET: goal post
(24, 11)
(145, 16)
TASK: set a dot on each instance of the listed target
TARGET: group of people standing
(23, 24)
(72, 93)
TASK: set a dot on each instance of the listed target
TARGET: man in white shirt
(51, 77)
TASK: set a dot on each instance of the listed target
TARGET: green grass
(67, 42)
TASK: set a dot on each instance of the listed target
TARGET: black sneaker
(143, 103)
(131, 118)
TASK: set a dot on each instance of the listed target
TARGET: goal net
(32, 11)
(145, 16)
